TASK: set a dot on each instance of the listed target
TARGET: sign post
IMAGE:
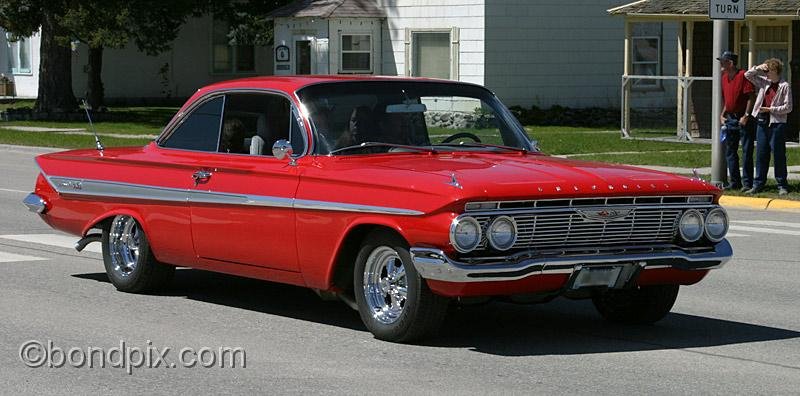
(721, 11)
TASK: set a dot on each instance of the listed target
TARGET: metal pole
(718, 171)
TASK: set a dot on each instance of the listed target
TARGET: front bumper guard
(435, 265)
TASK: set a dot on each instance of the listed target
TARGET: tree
(25, 17)
(152, 25)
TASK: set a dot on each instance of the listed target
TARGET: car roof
(290, 84)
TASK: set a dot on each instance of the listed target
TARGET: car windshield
(364, 117)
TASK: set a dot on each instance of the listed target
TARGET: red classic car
(396, 195)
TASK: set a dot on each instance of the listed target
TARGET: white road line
(735, 235)
(11, 257)
(764, 230)
(768, 223)
(14, 191)
(60, 240)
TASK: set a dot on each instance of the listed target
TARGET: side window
(253, 122)
(200, 130)
(296, 135)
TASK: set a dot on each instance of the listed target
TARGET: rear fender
(98, 221)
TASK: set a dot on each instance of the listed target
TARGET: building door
(431, 55)
(302, 62)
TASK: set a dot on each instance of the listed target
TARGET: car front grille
(548, 230)
(546, 226)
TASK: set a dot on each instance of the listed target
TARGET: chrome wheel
(385, 284)
(124, 240)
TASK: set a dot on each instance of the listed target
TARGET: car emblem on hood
(604, 215)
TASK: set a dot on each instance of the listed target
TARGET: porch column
(687, 72)
(626, 96)
(681, 67)
(751, 43)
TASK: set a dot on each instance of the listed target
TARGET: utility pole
(718, 168)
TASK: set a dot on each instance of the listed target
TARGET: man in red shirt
(738, 96)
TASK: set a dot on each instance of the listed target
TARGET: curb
(760, 203)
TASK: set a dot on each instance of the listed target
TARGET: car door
(241, 203)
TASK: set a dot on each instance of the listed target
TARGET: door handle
(201, 176)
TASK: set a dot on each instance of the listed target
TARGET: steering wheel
(462, 135)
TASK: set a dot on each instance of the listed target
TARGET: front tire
(394, 302)
(129, 263)
(641, 305)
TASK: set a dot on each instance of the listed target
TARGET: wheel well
(101, 224)
(348, 251)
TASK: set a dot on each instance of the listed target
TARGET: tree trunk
(55, 71)
(95, 94)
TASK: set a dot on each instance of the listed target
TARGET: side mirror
(282, 149)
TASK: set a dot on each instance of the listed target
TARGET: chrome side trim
(434, 264)
(97, 188)
(34, 203)
(345, 207)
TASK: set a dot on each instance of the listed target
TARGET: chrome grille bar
(540, 226)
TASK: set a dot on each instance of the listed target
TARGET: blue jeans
(770, 137)
(747, 135)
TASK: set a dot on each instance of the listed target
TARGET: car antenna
(98, 145)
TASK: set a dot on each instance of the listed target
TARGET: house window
(356, 53)
(19, 54)
(228, 57)
(770, 42)
(431, 54)
(646, 54)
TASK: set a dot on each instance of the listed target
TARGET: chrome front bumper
(434, 264)
(34, 203)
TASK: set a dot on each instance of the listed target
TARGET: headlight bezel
(514, 232)
(691, 212)
(725, 222)
(454, 227)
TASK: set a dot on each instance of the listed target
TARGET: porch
(771, 29)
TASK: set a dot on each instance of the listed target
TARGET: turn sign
(726, 9)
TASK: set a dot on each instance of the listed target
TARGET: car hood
(520, 176)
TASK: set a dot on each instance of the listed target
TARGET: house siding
(465, 15)
(25, 85)
(566, 53)
(128, 73)
(287, 29)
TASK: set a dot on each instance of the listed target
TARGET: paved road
(738, 331)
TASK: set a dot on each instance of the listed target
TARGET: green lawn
(131, 121)
(47, 139)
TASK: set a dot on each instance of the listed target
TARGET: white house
(543, 52)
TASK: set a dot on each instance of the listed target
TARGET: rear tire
(642, 305)
(129, 263)
(394, 302)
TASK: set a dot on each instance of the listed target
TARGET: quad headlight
(691, 225)
(716, 224)
(465, 234)
(502, 233)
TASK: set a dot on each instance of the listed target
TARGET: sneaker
(732, 186)
(745, 188)
(754, 190)
(783, 191)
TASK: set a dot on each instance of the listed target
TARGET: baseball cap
(728, 55)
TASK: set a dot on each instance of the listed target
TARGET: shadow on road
(561, 327)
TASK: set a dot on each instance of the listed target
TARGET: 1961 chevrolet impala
(396, 195)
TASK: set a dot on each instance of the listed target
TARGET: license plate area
(606, 276)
